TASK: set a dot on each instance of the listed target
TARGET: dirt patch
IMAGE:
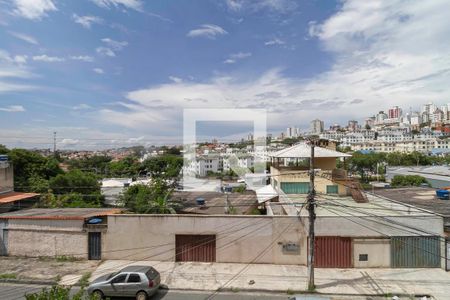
(45, 268)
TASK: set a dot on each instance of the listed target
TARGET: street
(17, 291)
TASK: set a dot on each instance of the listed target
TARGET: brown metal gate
(195, 248)
(333, 252)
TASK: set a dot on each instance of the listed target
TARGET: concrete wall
(365, 226)
(238, 238)
(377, 250)
(36, 238)
(325, 163)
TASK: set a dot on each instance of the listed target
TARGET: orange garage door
(333, 252)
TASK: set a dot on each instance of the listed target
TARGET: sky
(109, 73)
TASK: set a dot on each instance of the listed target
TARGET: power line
(384, 234)
(253, 261)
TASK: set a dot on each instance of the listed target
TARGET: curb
(29, 281)
(266, 291)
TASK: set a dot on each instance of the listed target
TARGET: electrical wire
(382, 233)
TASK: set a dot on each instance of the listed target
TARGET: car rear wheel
(141, 295)
(98, 295)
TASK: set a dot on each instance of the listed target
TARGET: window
(363, 257)
(120, 278)
(152, 274)
(134, 278)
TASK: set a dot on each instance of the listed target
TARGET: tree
(151, 198)
(164, 166)
(74, 189)
(28, 164)
(3, 149)
(128, 166)
(97, 163)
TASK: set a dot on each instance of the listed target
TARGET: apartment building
(419, 145)
(317, 126)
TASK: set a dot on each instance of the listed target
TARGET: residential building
(289, 170)
(394, 112)
(380, 117)
(352, 125)
(317, 126)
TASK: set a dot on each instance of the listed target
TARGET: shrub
(408, 180)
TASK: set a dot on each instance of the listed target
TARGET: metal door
(333, 252)
(447, 265)
(415, 252)
(195, 248)
(3, 238)
(95, 245)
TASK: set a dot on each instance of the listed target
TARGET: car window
(112, 275)
(120, 279)
(134, 278)
(152, 273)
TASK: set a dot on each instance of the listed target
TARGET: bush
(408, 180)
(59, 292)
(239, 189)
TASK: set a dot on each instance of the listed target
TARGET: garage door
(200, 248)
(415, 252)
(333, 252)
(295, 187)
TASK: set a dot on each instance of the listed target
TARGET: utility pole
(312, 218)
(54, 143)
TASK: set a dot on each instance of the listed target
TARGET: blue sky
(104, 73)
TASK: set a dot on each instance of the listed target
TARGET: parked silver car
(133, 281)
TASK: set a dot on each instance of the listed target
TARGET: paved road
(17, 292)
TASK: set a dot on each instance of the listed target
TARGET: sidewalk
(289, 278)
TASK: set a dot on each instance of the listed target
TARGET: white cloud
(20, 59)
(133, 4)
(113, 47)
(229, 61)
(275, 41)
(105, 51)
(82, 106)
(85, 58)
(176, 79)
(33, 9)
(24, 37)
(98, 71)
(11, 68)
(13, 108)
(116, 45)
(46, 58)
(233, 58)
(87, 21)
(68, 142)
(209, 31)
(280, 6)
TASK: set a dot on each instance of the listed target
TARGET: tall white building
(317, 126)
(289, 132)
